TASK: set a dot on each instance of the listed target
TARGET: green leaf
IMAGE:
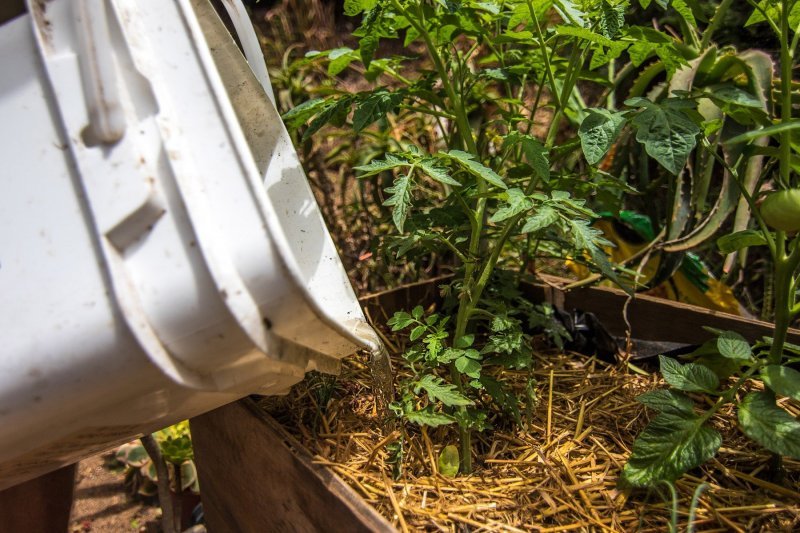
(769, 425)
(504, 398)
(375, 107)
(400, 320)
(299, 115)
(769, 131)
(570, 12)
(429, 417)
(516, 202)
(598, 132)
(376, 166)
(433, 168)
(612, 19)
(417, 332)
(740, 239)
(438, 390)
(468, 366)
(370, 30)
(475, 168)
(684, 11)
(465, 342)
(334, 113)
(782, 380)
(671, 445)
(340, 59)
(400, 199)
(731, 345)
(667, 401)
(449, 460)
(417, 312)
(690, 377)
(354, 7)
(543, 218)
(668, 135)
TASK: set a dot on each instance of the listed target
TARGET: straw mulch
(559, 474)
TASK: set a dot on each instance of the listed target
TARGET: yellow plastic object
(715, 295)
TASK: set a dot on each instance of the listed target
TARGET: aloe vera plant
(681, 436)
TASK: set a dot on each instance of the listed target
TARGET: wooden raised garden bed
(559, 475)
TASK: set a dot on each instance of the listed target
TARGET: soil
(101, 503)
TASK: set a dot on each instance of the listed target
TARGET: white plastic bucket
(149, 271)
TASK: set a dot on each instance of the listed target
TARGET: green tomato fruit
(781, 210)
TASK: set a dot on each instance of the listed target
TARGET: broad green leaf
(731, 345)
(590, 239)
(449, 355)
(448, 461)
(417, 312)
(354, 7)
(438, 390)
(465, 342)
(340, 59)
(668, 135)
(671, 445)
(299, 115)
(433, 168)
(782, 380)
(769, 425)
(400, 199)
(468, 366)
(543, 218)
(535, 152)
(375, 107)
(429, 417)
(476, 168)
(690, 377)
(598, 132)
(667, 401)
(370, 31)
(417, 332)
(740, 239)
(515, 202)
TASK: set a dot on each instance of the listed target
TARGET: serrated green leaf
(543, 218)
(433, 168)
(449, 460)
(429, 417)
(475, 168)
(668, 135)
(782, 380)
(598, 132)
(376, 166)
(769, 425)
(299, 115)
(667, 401)
(612, 19)
(375, 107)
(503, 397)
(740, 239)
(449, 355)
(515, 202)
(400, 199)
(438, 390)
(468, 366)
(690, 377)
(684, 11)
(731, 345)
(570, 12)
(671, 445)
(334, 113)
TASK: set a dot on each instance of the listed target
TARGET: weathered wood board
(254, 478)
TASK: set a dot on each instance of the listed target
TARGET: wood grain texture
(254, 478)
